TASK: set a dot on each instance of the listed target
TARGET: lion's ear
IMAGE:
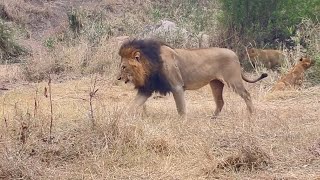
(137, 56)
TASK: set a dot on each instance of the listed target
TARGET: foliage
(89, 24)
(267, 22)
(49, 43)
(308, 35)
(9, 49)
(198, 15)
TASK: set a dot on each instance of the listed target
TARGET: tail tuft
(263, 75)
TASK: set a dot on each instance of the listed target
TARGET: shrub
(266, 22)
(192, 14)
(308, 35)
(9, 49)
(89, 24)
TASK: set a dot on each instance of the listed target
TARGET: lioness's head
(253, 52)
(306, 62)
(133, 67)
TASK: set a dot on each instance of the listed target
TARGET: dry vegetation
(280, 141)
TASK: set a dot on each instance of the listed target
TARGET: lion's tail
(263, 75)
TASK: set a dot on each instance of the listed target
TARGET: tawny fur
(138, 70)
(164, 69)
(269, 58)
(295, 76)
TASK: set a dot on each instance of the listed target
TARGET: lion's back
(208, 55)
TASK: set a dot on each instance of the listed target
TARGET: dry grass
(280, 141)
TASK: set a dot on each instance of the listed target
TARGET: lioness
(295, 76)
(268, 57)
(153, 66)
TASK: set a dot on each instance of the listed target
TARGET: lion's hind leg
(217, 89)
(241, 90)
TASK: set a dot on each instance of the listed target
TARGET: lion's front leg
(172, 72)
(178, 95)
(139, 100)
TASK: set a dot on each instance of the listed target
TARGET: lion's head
(132, 68)
(253, 53)
(306, 62)
(141, 65)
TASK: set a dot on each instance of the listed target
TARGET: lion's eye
(123, 67)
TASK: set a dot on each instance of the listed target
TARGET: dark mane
(150, 52)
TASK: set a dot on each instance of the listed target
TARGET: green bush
(313, 75)
(267, 22)
(89, 24)
(9, 49)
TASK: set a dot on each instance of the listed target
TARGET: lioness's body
(295, 76)
(177, 70)
(269, 58)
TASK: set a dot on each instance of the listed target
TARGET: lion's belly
(197, 81)
(195, 86)
(197, 75)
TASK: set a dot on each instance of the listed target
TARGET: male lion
(295, 76)
(270, 58)
(153, 66)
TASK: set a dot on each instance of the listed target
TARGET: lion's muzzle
(123, 78)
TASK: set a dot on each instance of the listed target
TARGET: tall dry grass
(281, 140)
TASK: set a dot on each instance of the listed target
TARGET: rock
(115, 42)
(204, 40)
(120, 39)
(164, 28)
